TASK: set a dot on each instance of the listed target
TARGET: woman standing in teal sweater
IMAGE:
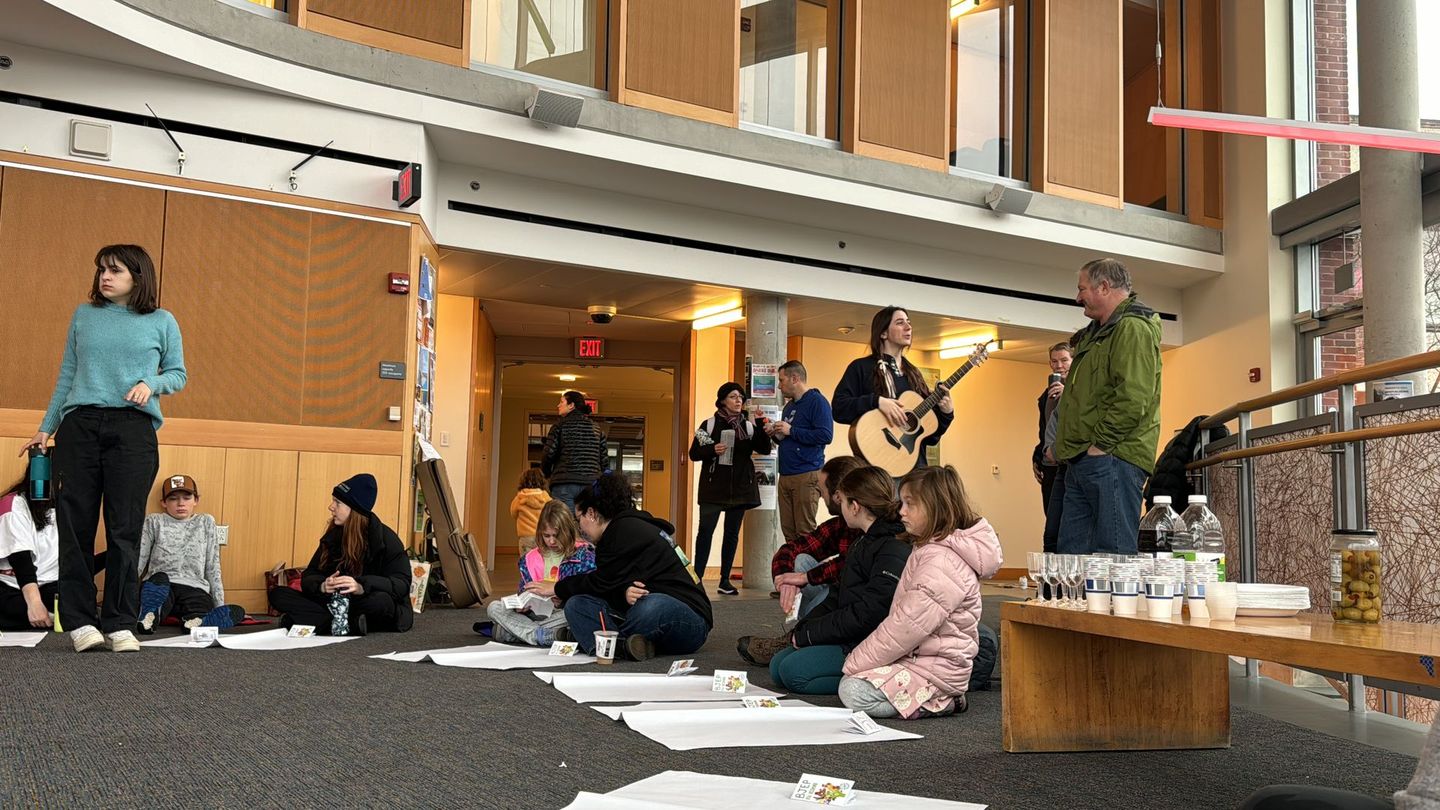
(121, 354)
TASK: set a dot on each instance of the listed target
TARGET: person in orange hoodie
(526, 505)
(917, 663)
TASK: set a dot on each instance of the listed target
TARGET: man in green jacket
(1109, 414)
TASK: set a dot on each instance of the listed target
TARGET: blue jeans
(810, 595)
(1101, 511)
(567, 493)
(671, 625)
(809, 670)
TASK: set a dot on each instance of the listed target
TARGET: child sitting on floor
(559, 553)
(180, 563)
(525, 506)
(917, 663)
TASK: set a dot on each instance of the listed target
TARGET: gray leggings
(520, 626)
(859, 695)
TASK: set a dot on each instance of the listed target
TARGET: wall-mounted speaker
(89, 139)
(1004, 199)
(549, 107)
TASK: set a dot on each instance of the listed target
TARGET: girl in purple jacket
(917, 662)
(559, 552)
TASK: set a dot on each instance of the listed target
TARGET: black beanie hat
(725, 392)
(357, 492)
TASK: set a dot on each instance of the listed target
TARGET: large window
(558, 39)
(785, 53)
(989, 58)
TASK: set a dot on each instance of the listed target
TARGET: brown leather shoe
(758, 650)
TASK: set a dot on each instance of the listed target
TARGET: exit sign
(589, 348)
(405, 189)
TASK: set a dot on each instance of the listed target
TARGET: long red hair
(353, 543)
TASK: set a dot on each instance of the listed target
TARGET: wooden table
(1077, 681)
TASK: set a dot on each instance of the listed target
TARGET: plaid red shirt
(830, 539)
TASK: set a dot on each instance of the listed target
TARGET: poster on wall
(765, 476)
(762, 381)
(422, 417)
(427, 280)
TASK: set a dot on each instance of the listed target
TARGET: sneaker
(544, 637)
(727, 590)
(483, 628)
(192, 622)
(153, 595)
(222, 616)
(758, 650)
(360, 625)
(86, 638)
(122, 641)
(639, 647)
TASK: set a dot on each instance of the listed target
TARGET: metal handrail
(1361, 374)
(1358, 435)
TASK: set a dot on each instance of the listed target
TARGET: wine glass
(1071, 572)
(1052, 578)
(1035, 564)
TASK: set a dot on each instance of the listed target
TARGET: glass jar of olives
(1355, 576)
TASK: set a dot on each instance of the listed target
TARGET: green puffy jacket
(1112, 396)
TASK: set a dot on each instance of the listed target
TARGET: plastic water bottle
(1158, 529)
(1205, 539)
(39, 476)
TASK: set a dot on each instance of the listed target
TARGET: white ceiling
(527, 298)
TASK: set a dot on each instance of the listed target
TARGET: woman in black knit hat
(359, 578)
(722, 446)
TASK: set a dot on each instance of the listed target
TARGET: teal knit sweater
(111, 348)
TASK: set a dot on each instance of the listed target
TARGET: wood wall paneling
(896, 93)
(484, 412)
(12, 465)
(260, 492)
(435, 21)
(678, 58)
(434, 29)
(50, 228)
(318, 475)
(1204, 168)
(353, 323)
(237, 286)
(1082, 142)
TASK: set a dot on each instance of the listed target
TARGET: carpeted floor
(330, 727)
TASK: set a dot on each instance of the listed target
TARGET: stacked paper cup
(1197, 575)
(1174, 568)
(1147, 569)
(1097, 584)
(1125, 588)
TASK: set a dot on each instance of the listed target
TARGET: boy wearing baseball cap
(180, 563)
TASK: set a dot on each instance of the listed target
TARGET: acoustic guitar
(894, 449)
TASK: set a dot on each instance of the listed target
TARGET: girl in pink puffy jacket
(917, 662)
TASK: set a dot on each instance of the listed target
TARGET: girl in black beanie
(359, 578)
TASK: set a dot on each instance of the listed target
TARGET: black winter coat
(1169, 476)
(853, 610)
(734, 484)
(387, 569)
(574, 451)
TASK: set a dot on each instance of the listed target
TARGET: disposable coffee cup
(1097, 601)
(605, 641)
(1124, 604)
(1160, 607)
(1220, 600)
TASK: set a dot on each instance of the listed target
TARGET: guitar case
(461, 563)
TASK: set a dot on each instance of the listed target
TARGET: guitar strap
(891, 371)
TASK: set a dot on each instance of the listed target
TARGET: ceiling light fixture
(718, 319)
(568, 378)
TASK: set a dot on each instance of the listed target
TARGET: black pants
(729, 542)
(304, 608)
(104, 455)
(1047, 485)
(1054, 503)
(14, 614)
(185, 601)
(1310, 797)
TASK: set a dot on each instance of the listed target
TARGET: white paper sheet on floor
(605, 687)
(277, 640)
(614, 712)
(424, 655)
(685, 790)
(178, 643)
(498, 656)
(10, 639)
(687, 729)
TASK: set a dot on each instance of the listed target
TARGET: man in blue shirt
(805, 428)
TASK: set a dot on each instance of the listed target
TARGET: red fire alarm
(400, 283)
(1255, 375)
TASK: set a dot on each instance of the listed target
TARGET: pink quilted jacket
(933, 625)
